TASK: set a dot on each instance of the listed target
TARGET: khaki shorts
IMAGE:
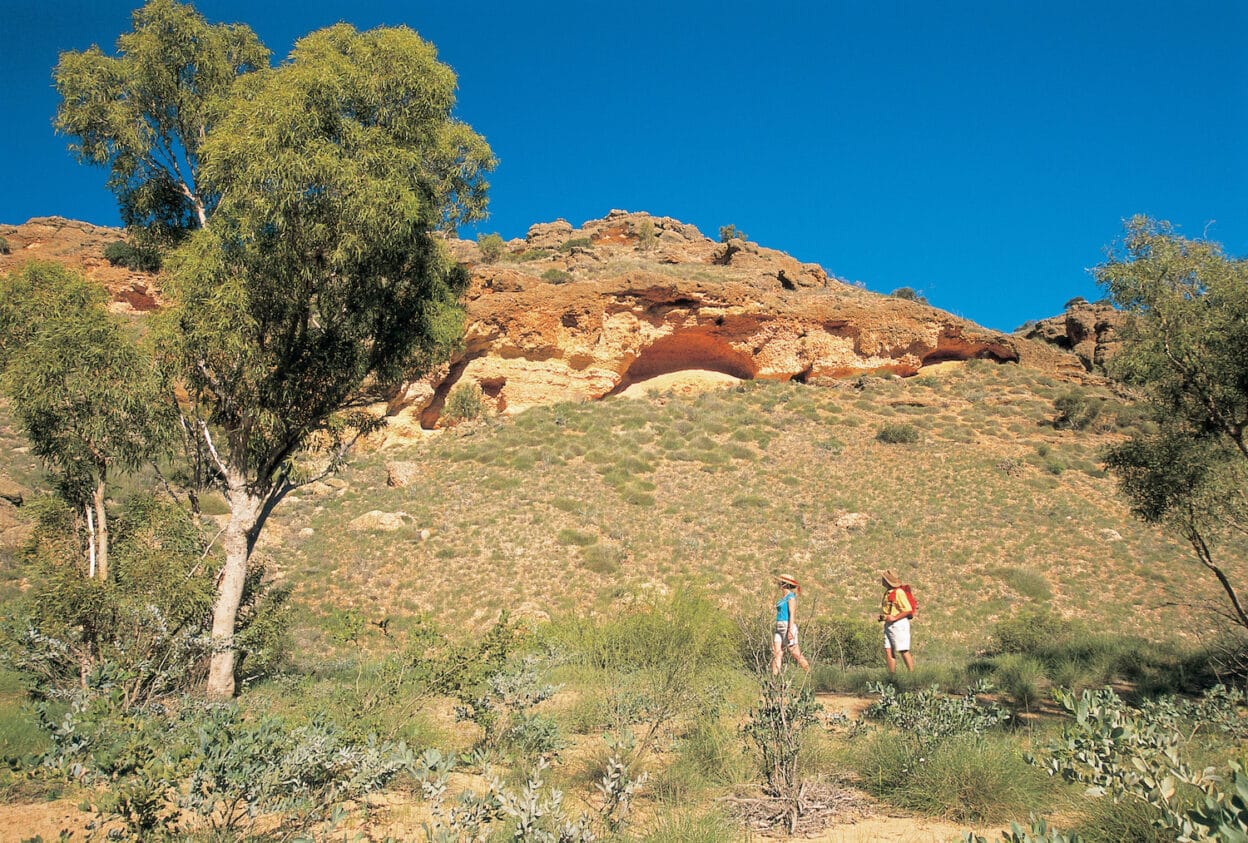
(782, 628)
(897, 635)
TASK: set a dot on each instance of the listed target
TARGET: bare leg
(796, 652)
(892, 662)
(776, 655)
(908, 659)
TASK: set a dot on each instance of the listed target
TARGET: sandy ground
(48, 819)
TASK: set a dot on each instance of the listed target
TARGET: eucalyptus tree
(86, 396)
(312, 275)
(1186, 349)
(146, 112)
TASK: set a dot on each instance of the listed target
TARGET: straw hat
(890, 577)
(787, 580)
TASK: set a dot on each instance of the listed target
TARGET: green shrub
(1030, 630)
(909, 294)
(492, 247)
(5, 248)
(898, 434)
(1076, 410)
(1021, 678)
(557, 276)
(576, 537)
(576, 243)
(1111, 821)
(602, 559)
(167, 774)
(929, 716)
(466, 402)
(144, 632)
(689, 827)
(121, 253)
(731, 232)
(847, 642)
(964, 778)
(646, 236)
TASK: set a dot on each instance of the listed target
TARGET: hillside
(655, 422)
(582, 508)
(570, 506)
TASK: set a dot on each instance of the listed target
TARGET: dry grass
(577, 509)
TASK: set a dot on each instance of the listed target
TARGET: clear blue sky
(983, 153)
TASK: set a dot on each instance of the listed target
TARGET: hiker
(785, 635)
(896, 610)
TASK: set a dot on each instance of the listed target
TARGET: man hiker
(896, 610)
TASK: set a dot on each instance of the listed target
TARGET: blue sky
(984, 153)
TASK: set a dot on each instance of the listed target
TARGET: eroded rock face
(80, 245)
(582, 313)
(1091, 331)
(651, 296)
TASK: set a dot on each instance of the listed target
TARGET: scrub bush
(144, 632)
(491, 246)
(137, 258)
(898, 434)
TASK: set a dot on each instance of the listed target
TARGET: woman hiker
(896, 611)
(785, 635)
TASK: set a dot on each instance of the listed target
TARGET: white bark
(90, 541)
(101, 527)
(245, 512)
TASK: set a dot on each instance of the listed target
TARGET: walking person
(785, 635)
(896, 610)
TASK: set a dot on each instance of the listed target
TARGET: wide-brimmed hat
(786, 579)
(890, 577)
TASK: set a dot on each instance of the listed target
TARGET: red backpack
(914, 604)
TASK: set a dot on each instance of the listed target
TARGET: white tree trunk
(245, 510)
(101, 528)
(90, 541)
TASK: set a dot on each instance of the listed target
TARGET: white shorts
(780, 634)
(897, 635)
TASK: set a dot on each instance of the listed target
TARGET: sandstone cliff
(1089, 330)
(571, 314)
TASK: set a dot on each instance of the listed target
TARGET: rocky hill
(581, 313)
(1091, 330)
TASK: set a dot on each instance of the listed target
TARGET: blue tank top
(782, 607)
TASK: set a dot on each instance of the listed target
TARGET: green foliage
(146, 114)
(5, 248)
(1126, 753)
(728, 233)
(928, 717)
(898, 434)
(557, 276)
(121, 253)
(212, 769)
(845, 641)
(576, 243)
(909, 294)
(663, 665)
(85, 395)
(776, 728)
(466, 402)
(534, 812)
(1038, 832)
(966, 778)
(1030, 630)
(502, 709)
(1076, 410)
(1186, 349)
(646, 236)
(1021, 678)
(492, 247)
(142, 634)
